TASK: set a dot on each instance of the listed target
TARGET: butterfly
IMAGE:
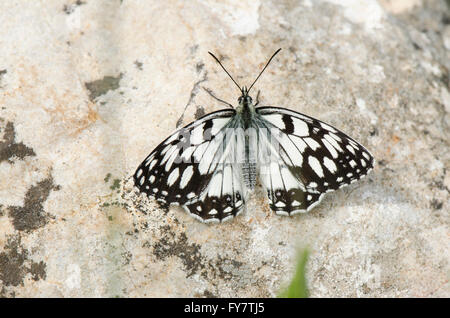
(210, 166)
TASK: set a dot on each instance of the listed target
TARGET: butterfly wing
(195, 168)
(307, 159)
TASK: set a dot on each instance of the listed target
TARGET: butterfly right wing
(195, 168)
(307, 158)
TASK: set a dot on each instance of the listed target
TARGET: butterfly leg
(216, 98)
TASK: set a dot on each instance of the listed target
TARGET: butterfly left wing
(307, 159)
(194, 168)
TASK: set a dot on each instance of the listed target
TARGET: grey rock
(92, 87)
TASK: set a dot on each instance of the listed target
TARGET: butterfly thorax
(246, 109)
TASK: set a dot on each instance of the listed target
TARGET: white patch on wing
(354, 144)
(190, 195)
(277, 181)
(280, 204)
(197, 135)
(171, 160)
(312, 143)
(205, 164)
(300, 127)
(315, 165)
(168, 154)
(329, 164)
(291, 150)
(330, 148)
(289, 180)
(299, 143)
(213, 212)
(186, 177)
(333, 142)
(187, 153)
(335, 137)
(350, 148)
(166, 149)
(218, 124)
(228, 179)
(228, 209)
(327, 127)
(198, 153)
(150, 158)
(276, 120)
(152, 164)
(173, 176)
(215, 185)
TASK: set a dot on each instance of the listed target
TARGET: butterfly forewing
(308, 159)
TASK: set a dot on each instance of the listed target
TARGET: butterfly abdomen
(249, 166)
(249, 170)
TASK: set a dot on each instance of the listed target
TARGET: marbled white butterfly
(210, 166)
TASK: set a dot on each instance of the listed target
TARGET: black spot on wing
(217, 208)
(292, 201)
(288, 124)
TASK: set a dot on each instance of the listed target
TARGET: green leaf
(298, 287)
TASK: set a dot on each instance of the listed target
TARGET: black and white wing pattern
(303, 158)
(194, 168)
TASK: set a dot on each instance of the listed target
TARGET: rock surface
(88, 88)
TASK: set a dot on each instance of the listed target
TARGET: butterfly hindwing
(223, 199)
(308, 159)
(194, 168)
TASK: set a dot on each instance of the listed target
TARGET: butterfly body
(210, 166)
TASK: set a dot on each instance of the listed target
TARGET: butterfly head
(245, 98)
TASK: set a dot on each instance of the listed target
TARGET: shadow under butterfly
(210, 166)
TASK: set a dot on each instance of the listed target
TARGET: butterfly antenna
(225, 70)
(264, 68)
